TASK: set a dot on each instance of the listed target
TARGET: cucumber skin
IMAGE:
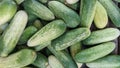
(95, 52)
(101, 36)
(70, 17)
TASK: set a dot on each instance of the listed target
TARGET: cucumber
(111, 61)
(38, 24)
(8, 9)
(112, 10)
(43, 1)
(28, 32)
(11, 35)
(70, 17)
(41, 61)
(95, 52)
(38, 9)
(87, 12)
(54, 62)
(72, 1)
(70, 38)
(49, 32)
(19, 59)
(63, 57)
(101, 36)
(101, 18)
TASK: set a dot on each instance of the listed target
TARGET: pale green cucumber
(87, 12)
(101, 18)
(49, 32)
(19, 59)
(38, 9)
(70, 17)
(72, 1)
(101, 36)
(7, 10)
(94, 53)
(11, 35)
(70, 38)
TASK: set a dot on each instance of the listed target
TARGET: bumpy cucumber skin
(70, 38)
(112, 61)
(101, 36)
(112, 10)
(101, 18)
(38, 9)
(7, 10)
(49, 32)
(10, 37)
(19, 59)
(95, 52)
(70, 17)
(87, 12)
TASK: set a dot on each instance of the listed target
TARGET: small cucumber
(19, 59)
(87, 12)
(8, 9)
(38, 9)
(28, 32)
(41, 61)
(70, 38)
(101, 36)
(70, 17)
(101, 18)
(49, 32)
(111, 61)
(11, 35)
(95, 52)
(38, 24)
(72, 1)
(54, 62)
(43, 1)
(112, 10)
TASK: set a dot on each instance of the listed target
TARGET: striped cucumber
(28, 32)
(38, 9)
(19, 59)
(101, 18)
(11, 35)
(49, 32)
(41, 61)
(70, 17)
(87, 12)
(70, 38)
(95, 52)
(112, 10)
(7, 10)
(101, 36)
(54, 62)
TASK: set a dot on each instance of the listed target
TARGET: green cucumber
(70, 17)
(11, 35)
(28, 32)
(38, 24)
(43, 1)
(101, 36)
(94, 53)
(54, 62)
(70, 38)
(19, 59)
(112, 10)
(41, 61)
(38, 9)
(49, 32)
(72, 1)
(111, 61)
(101, 18)
(87, 12)
(63, 57)
(7, 10)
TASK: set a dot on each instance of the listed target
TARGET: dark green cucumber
(112, 10)
(95, 52)
(11, 35)
(70, 38)
(87, 12)
(70, 17)
(101, 36)
(38, 9)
